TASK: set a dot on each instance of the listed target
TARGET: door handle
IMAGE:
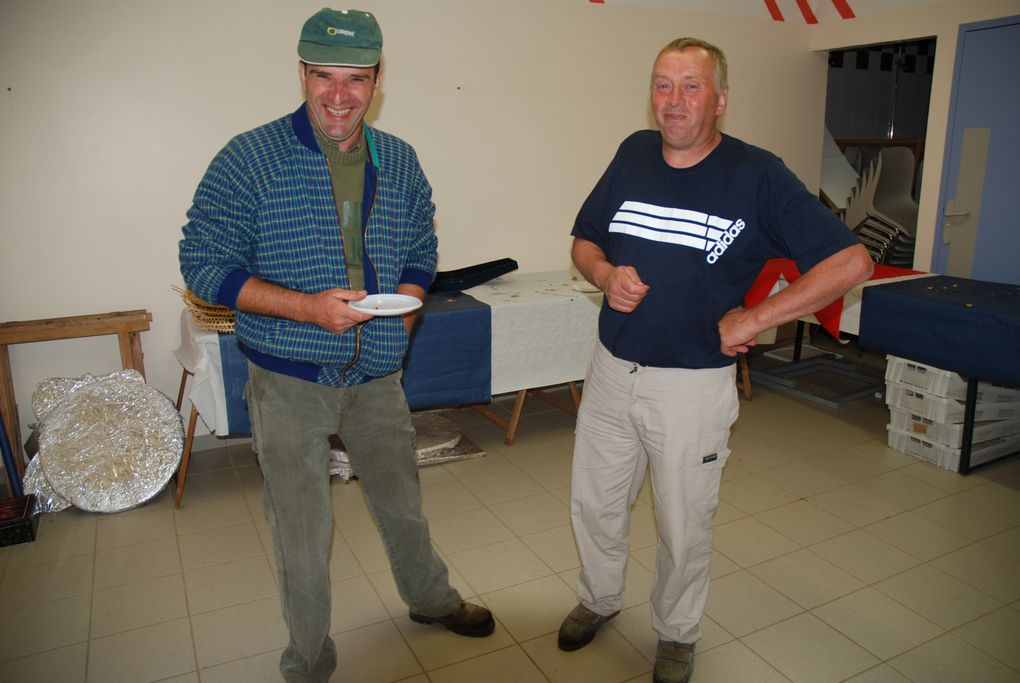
(950, 212)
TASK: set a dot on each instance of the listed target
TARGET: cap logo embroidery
(342, 31)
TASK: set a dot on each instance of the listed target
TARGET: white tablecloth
(543, 330)
(199, 354)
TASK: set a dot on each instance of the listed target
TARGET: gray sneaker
(674, 662)
(580, 627)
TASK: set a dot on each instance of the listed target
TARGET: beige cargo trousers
(677, 421)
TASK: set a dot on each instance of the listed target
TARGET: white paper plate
(387, 304)
(583, 286)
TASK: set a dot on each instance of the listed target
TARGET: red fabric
(828, 317)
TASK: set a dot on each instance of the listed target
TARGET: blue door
(978, 234)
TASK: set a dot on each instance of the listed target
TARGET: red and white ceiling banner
(809, 11)
(842, 8)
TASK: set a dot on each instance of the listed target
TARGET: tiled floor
(836, 559)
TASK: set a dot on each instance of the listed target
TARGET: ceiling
(805, 11)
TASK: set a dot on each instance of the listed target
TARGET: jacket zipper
(365, 255)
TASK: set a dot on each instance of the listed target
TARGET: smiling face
(337, 99)
(686, 104)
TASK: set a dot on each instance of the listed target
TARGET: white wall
(112, 109)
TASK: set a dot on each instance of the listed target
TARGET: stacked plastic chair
(881, 209)
(838, 175)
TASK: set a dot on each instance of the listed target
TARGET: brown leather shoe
(469, 620)
(580, 627)
(674, 662)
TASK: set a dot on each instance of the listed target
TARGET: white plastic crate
(949, 434)
(942, 383)
(949, 458)
(945, 409)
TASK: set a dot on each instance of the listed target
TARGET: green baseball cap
(346, 37)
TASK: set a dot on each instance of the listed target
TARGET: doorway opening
(876, 119)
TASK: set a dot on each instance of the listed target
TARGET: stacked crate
(926, 406)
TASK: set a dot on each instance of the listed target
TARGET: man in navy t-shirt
(674, 233)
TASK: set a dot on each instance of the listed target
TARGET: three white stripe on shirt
(665, 224)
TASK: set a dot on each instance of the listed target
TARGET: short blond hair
(718, 58)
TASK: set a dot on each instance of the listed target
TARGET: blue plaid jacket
(265, 208)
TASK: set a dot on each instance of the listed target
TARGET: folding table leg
(515, 417)
(555, 402)
(180, 392)
(182, 471)
(745, 377)
(575, 395)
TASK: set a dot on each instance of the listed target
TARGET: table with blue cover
(449, 361)
(957, 324)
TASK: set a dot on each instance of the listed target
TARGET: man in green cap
(293, 222)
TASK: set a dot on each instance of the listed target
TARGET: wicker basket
(206, 315)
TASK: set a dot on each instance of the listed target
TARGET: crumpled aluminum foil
(50, 392)
(438, 440)
(46, 499)
(111, 443)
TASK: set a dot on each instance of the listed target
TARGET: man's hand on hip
(736, 331)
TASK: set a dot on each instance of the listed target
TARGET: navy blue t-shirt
(698, 237)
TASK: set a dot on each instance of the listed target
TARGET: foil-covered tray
(110, 444)
(50, 392)
(46, 499)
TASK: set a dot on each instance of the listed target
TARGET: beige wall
(112, 109)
